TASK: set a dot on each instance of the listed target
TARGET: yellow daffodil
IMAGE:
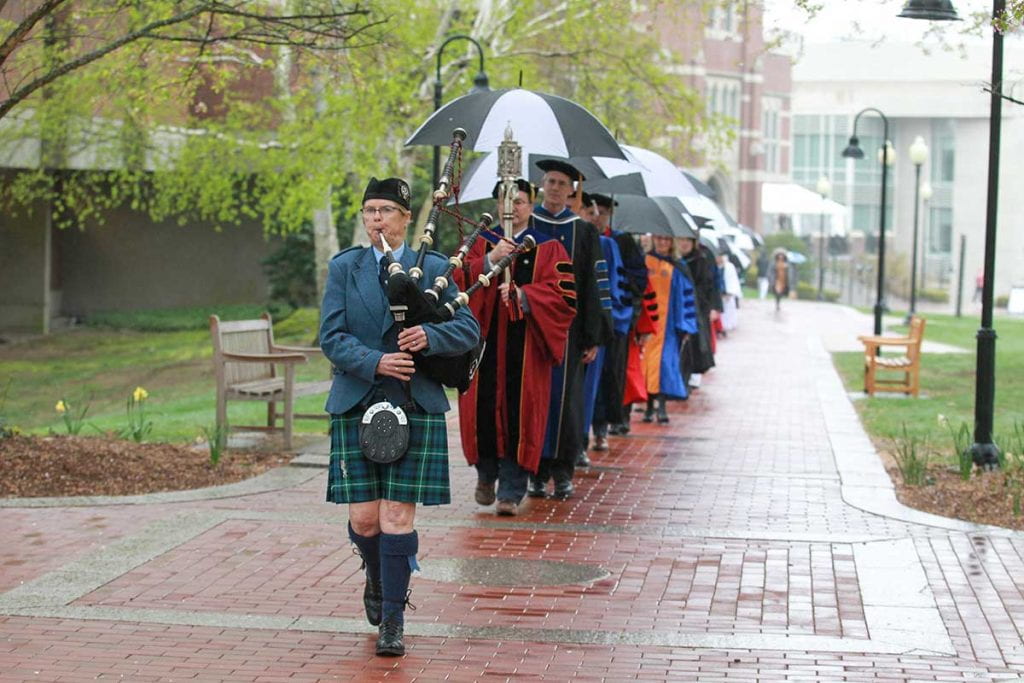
(140, 394)
(60, 407)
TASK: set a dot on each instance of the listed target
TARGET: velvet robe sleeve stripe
(551, 308)
(647, 321)
(547, 331)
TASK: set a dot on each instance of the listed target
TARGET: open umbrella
(541, 124)
(656, 215)
(660, 176)
(701, 186)
(478, 181)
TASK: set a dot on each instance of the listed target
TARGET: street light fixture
(926, 196)
(853, 151)
(983, 451)
(824, 188)
(918, 155)
(480, 84)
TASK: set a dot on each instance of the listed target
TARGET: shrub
(303, 324)
(938, 296)
(291, 269)
(805, 290)
(176, 319)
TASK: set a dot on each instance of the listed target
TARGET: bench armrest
(264, 357)
(307, 350)
(887, 341)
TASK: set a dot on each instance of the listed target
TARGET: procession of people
(571, 325)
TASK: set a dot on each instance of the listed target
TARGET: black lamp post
(824, 188)
(983, 450)
(480, 84)
(853, 151)
(918, 155)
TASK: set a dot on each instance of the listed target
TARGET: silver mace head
(510, 156)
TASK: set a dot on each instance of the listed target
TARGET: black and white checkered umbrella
(541, 124)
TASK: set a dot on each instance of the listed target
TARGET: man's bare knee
(365, 518)
(397, 518)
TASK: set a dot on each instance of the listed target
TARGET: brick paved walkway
(756, 537)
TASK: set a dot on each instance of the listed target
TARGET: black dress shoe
(582, 460)
(537, 489)
(373, 601)
(563, 490)
(389, 639)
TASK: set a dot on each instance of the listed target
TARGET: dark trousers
(506, 471)
(560, 468)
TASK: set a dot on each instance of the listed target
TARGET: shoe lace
(408, 604)
(355, 551)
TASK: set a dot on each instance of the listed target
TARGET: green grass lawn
(101, 367)
(947, 386)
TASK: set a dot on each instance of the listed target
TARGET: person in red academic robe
(503, 415)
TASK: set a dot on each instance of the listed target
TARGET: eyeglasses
(384, 211)
(519, 202)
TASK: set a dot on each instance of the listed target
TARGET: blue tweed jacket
(354, 331)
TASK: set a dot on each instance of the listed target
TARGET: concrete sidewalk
(755, 537)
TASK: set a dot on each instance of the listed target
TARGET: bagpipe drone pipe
(413, 305)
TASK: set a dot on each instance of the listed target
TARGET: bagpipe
(412, 304)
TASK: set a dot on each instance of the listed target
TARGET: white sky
(867, 20)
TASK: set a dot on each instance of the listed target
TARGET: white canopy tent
(796, 201)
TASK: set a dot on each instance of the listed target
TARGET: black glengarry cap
(395, 189)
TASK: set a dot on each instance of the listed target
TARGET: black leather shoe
(373, 601)
(649, 416)
(582, 460)
(537, 489)
(389, 639)
(563, 490)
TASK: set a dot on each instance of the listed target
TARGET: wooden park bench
(246, 362)
(907, 364)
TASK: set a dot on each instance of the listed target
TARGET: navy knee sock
(398, 559)
(369, 548)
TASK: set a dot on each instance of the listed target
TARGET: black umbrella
(541, 124)
(656, 215)
(701, 186)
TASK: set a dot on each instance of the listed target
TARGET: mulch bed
(34, 466)
(984, 498)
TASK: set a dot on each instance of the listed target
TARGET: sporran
(384, 433)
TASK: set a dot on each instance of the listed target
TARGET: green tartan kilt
(419, 476)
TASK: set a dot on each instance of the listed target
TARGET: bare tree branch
(325, 31)
(1005, 97)
(21, 30)
(89, 57)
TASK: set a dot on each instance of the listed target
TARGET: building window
(723, 97)
(723, 18)
(771, 133)
(940, 231)
(944, 150)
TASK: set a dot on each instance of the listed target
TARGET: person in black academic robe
(590, 328)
